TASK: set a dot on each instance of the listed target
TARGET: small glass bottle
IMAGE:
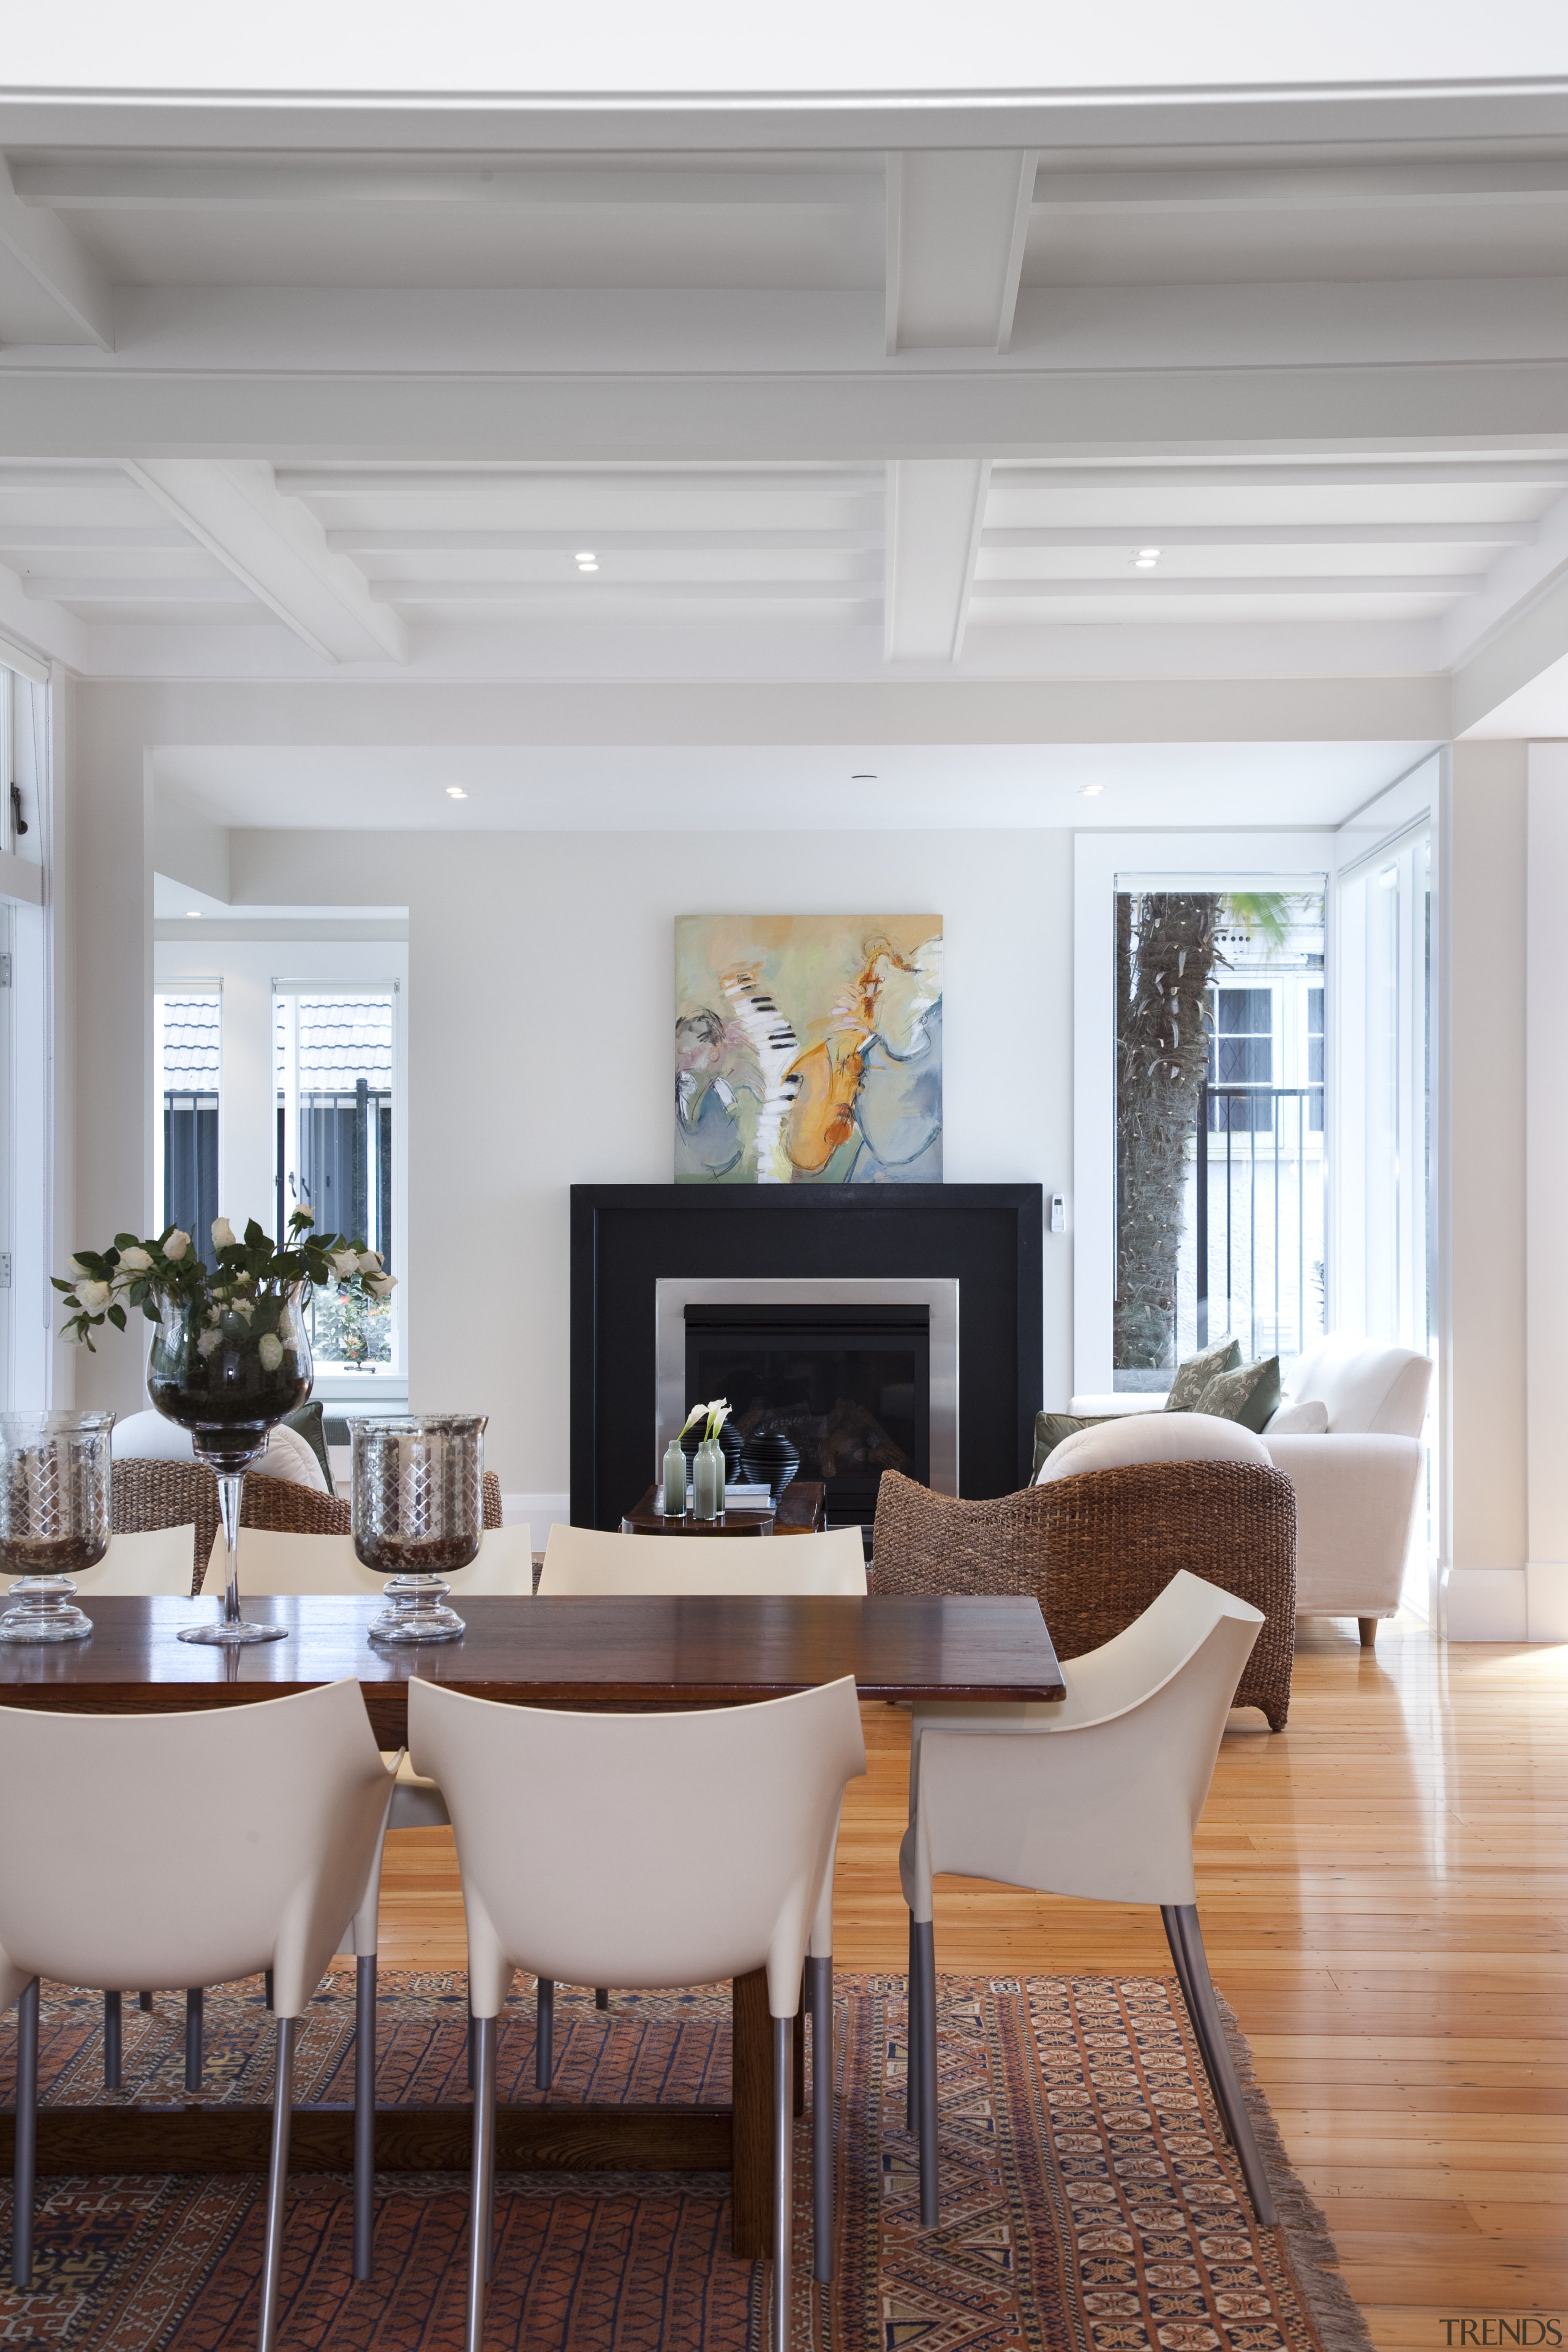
(674, 1481)
(707, 1481)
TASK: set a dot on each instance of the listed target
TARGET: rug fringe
(1308, 2241)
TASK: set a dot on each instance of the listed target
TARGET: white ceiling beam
(1548, 470)
(716, 481)
(103, 538)
(1294, 187)
(74, 286)
(116, 589)
(1534, 642)
(1300, 584)
(957, 224)
(1392, 533)
(126, 184)
(278, 549)
(578, 597)
(935, 510)
(1518, 580)
(417, 541)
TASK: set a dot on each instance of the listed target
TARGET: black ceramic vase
(770, 1460)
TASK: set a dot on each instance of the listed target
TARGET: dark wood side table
(579, 1652)
(800, 1510)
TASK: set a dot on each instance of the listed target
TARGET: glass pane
(190, 1038)
(1219, 1120)
(335, 1053)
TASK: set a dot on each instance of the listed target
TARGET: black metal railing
(1259, 1114)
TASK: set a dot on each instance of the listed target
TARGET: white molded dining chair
(274, 1562)
(275, 1863)
(676, 1849)
(156, 1561)
(592, 1561)
(291, 1565)
(1097, 1796)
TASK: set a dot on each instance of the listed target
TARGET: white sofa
(1357, 1480)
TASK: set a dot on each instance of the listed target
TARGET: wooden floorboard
(1384, 1888)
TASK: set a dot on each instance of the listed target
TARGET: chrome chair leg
(819, 1976)
(194, 2006)
(26, 2161)
(544, 2035)
(277, 2183)
(111, 2021)
(481, 2218)
(911, 2043)
(364, 2114)
(784, 2213)
(924, 2037)
(1186, 1940)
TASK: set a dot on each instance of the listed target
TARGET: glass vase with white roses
(231, 1355)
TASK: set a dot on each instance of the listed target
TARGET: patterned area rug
(1089, 2201)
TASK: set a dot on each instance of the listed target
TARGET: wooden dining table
(638, 1654)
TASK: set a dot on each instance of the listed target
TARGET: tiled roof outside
(193, 1029)
(342, 1040)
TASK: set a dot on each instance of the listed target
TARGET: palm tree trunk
(1166, 948)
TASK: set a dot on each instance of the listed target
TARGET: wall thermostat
(1059, 1213)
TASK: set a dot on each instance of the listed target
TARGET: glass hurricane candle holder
(54, 1518)
(417, 1515)
(229, 1371)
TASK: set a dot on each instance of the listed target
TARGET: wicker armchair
(173, 1493)
(1096, 1549)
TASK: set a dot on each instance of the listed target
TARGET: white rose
(176, 1245)
(303, 1216)
(243, 1307)
(222, 1233)
(94, 1296)
(134, 1260)
(207, 1341)
(369, 1261)
(381, 1285)
(73, 1337)
(243, 1281)
(270, 1350)
(79, 1266)
(344, 1263)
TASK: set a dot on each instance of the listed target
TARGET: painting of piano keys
(808, 1049)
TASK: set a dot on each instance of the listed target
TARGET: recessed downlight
(1090, 792)
(1146, 559)
(586, 559)
(456, 793)
(193, 914)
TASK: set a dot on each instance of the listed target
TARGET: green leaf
(117, 1316)
(255, 1238)
(150, 1311)
(126, 1241)
(58, 1285)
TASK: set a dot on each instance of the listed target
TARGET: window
(1218, 1111)
(188, 1028)
(336, 1066)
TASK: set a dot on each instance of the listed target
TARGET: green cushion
(1250, 1395)
(1194, 1374)
(1050, 1428)
(307, 1421)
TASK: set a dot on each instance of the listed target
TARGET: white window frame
(1195, 860)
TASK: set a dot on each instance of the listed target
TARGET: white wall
(539, 1017)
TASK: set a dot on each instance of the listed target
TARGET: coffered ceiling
(1191, 391)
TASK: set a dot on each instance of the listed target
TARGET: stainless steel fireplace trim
(672, 1298)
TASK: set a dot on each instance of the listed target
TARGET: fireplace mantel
(627, 1237)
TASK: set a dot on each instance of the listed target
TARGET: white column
(1546, 1191)
(1482, 1392)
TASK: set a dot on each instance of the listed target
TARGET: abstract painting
(808, 1049)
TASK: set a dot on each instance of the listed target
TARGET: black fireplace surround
(627, 1237)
